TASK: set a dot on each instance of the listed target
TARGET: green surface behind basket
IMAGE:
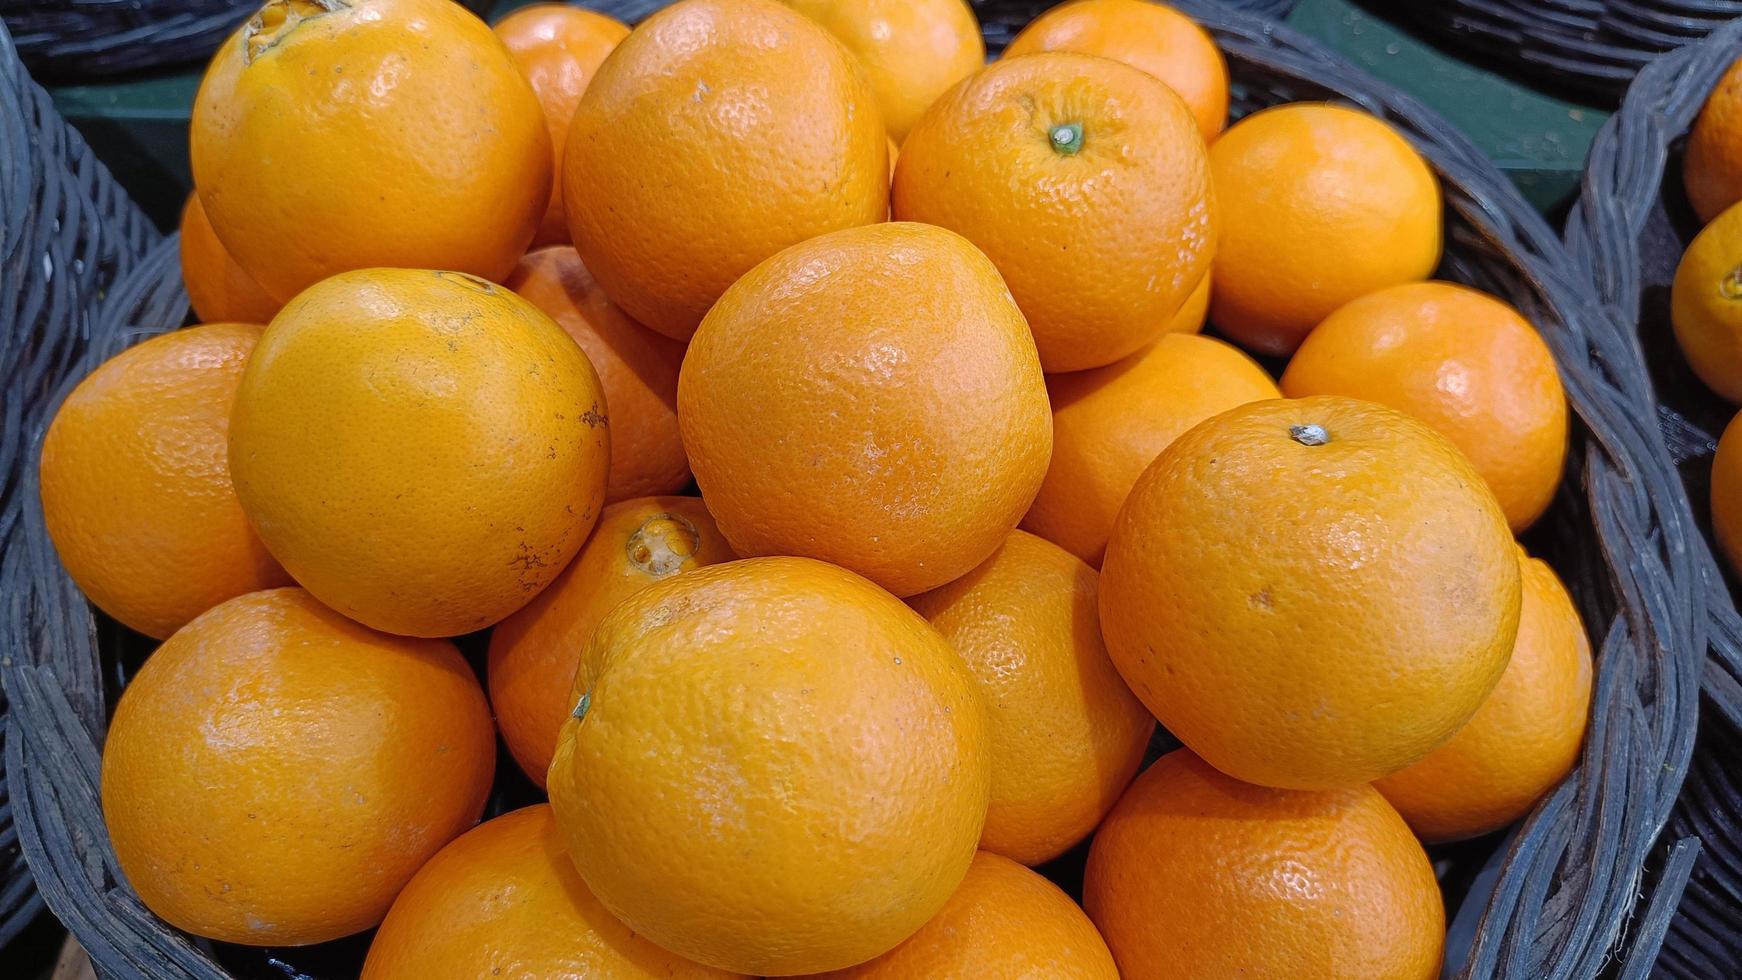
(139, 124)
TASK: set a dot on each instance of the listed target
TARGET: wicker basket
(1626, 233)
(67, 231)
(1559, 899)
(1592, 47)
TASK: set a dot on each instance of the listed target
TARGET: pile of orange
(975, 504)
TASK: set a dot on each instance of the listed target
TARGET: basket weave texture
(1626, 234)
(1560, 899)
(1594, 47)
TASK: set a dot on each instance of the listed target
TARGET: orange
(275, 773)
(718, 133)
(772, 767)
(1727, 494)
(219, 290)
(1460, 360)
(1151, 36)
(1712, 167)
(503, 900)
(1320, 205)
(1197, 875)
(1066, 733)
(136, 493)
(637, 369)
(424, 451)
(912, 50)
(534, 653)
(1087, 184)
(1191, 315)
(330, 135)
(871, 398)
(1526, 736)
(1110, 423)
(558, 48)
(1310, 593)
(1706, 305)
(1004, 923)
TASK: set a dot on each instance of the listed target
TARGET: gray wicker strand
(1616, 234)
(66, 232)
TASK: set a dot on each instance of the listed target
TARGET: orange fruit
(1320, 205)
(1066, 733)
(718, 133)
(219, 290)
(1151, 36)
(1004, 923)
(1086, 183)
(912, 50)
(772, 767)
(1109, 423)
(637, 369)
(1526, 736)
(1712, 166)
(1195, 875)
(1706, 305)
(1310, 593)
(424, 451)
(558, 48)
(1727, 494)
(504, 900)
(871, 398)
(1460, 360)
(534, 652)
(136, 492)
(275, 773)
(328, 136)
(1191, 315)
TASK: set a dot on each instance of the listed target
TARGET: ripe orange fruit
(1526, 736)
(1712, 168)
(1151, 36)
(1727, 494)
(1004, 923)
(637, 369)
(136, 492)
(504, 900)
(1195, 874)
(1706, 305)
(1086, 183)
(534, 653)
(219, 290)
(558, 48)
(912, 50)
(275, 773)
(720, 132)
(871, 398)
(772, 767)
(1320, 205)
(1310, 593)
(1066, 733)
(328, 136)
(1462, 361)
(424, 451)
(1110, 423)
(1191, 315)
